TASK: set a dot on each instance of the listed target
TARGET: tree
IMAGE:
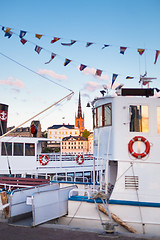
(85, 134)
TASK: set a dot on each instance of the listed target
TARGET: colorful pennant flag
(38, 36)
(128, 77)
(23, 41)
(7, 30)
(105, 45)
(157, 54)
(122, 50)
(67, 61)
(38, 49)
(69, 44)
(82, 67)
(22, 33)
(140, 50)
(52, 57)
(55, 39)
(88, 44)
(8, 34)
(98, 72)
(113, 78)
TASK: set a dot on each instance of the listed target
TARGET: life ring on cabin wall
(44, 160)
(80, 159)
(135, 154)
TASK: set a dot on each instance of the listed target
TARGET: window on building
(75, 132)
(18, 149)
(62, 133)
(139, 120)
(55, 132)
(59, 132)
(6, 149)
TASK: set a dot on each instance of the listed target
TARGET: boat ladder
(108, 226)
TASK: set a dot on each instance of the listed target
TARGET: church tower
(79, 119)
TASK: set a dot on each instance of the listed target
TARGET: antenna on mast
(144, 80)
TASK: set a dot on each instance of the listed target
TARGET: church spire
(79, 107)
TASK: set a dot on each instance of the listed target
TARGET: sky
(29, 85)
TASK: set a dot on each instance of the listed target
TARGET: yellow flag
(38, 36)
(7, 30)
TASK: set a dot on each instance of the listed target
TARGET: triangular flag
(55, 39)
(105, 45)
(22, 34)
(67, 61)
(23, 41)
(7, 30)
(8, 34)
(82, 67)
(157, 54)
(122, 50)
(140, 50)
(69, 44)
(113, 78)
(128, 77)
(38, 49)
(98, 72)
(88, 44)
(38, 36)
(52, 56)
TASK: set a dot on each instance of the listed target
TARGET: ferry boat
(24, 157)
(126, 139)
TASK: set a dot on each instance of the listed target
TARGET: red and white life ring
(139, 155)
(44, 160)
(80, 159)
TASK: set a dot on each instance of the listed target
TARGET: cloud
(92, 71)
(92, 86)
(52, 74)
(11, 81)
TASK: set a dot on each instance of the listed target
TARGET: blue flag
(113, 78)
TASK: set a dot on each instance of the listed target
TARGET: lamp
(103, 92)
(88, 104)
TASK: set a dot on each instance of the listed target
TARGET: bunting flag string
(22, 33)
(82, 67)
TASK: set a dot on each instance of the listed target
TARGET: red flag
(157, 54)
(55, 39)
(82, 67)
(23, 41)
(122, 50)
(52, 57)
(98, 72)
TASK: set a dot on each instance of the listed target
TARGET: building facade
(90, 143)
(58, 132)
(74, 145)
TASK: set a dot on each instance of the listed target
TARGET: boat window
(29, 149)
(99, 116)
(107, 114)
(18, 149)
(102, 116)
(139, 120)
(6, 149)
(158, 119)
